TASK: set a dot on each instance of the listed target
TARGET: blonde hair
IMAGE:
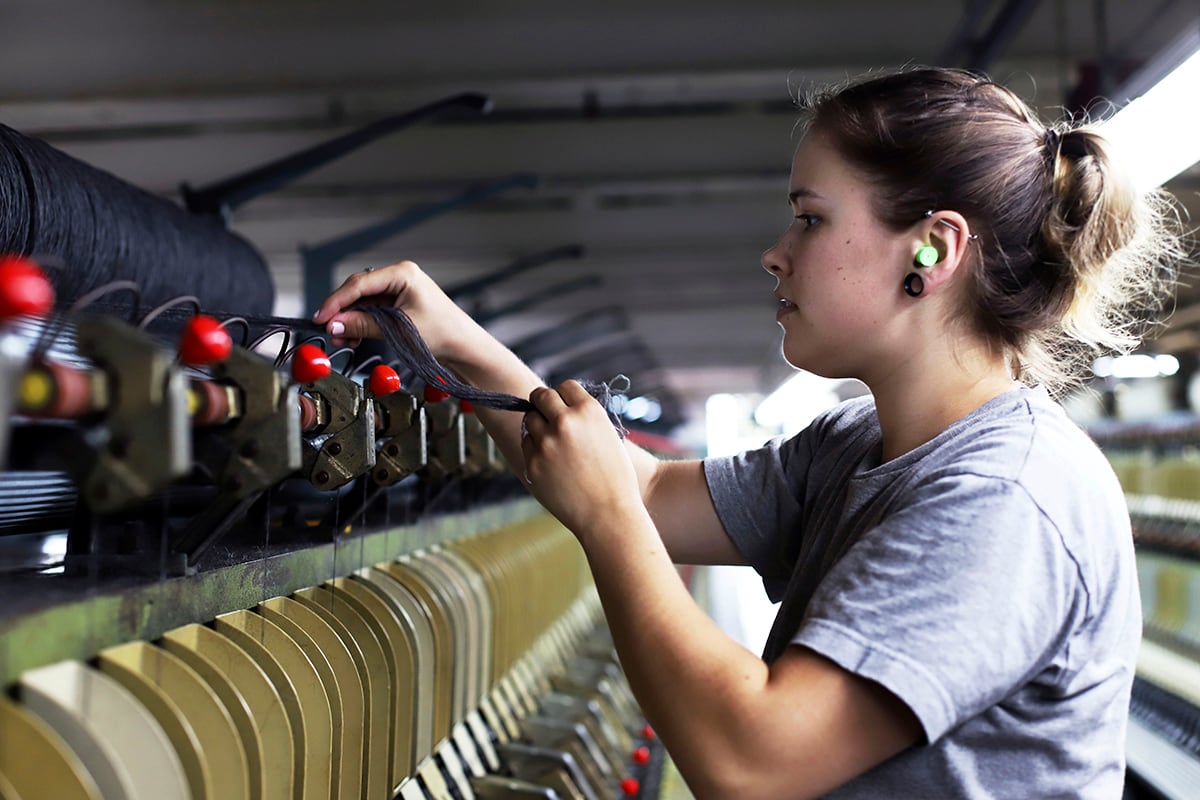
(1070, 261)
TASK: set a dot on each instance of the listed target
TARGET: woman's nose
(772, 258)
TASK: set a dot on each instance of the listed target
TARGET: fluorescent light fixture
(1158, 133)
(797, 402)
(1135, 366)
(723, 415)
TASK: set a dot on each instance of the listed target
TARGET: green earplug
(927, 256)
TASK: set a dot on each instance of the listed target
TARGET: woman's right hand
(403, 286)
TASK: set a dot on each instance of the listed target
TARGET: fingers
(532, 428)
(349, 327)
(386, 282)
(548, 402)
(573, 393)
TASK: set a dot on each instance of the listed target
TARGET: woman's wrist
(625, 527)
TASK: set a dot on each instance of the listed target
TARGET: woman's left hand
(575, 463)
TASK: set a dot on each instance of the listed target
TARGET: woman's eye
(809, 220)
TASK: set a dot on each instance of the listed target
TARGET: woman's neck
(917, 403)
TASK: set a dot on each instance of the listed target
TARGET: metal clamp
(261, 447)
(402, 434)
(482, 455)
(447, 440)
(344, 446)
(143, 442)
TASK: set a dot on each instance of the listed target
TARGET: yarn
(410, 349)
(88, 228)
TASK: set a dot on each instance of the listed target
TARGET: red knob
(434, 395)
(310, 364)
(384, 381)
(204, 341)
(630, 787)
(466, 407)
(648, 733)
(24, 288)
(641, 755)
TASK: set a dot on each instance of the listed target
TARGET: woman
(960, 611)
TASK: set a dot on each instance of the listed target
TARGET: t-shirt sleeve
(758, 495)
(951, 603)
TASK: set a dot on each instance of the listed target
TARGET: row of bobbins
(475, 669)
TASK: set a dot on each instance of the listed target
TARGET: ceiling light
(797, 402)
(1156, 133)
(1135, 366)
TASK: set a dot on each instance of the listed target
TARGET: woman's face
(840, 271)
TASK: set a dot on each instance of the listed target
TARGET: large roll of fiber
(89, 228)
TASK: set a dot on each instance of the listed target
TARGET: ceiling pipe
(1008, 23)
(964, 32)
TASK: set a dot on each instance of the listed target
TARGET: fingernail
(337, 328)
(316, 314)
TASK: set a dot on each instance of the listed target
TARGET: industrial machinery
(233, 571)
(1158, 465)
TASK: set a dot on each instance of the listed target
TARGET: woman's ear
(950, 235)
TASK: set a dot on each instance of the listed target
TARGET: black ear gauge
(913, 284)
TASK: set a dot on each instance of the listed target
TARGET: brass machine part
(402, 432)
(322, 693)
(53, 390)
(312, 413)
(344, 444)
(211, 403)
(447, 440)
(141, 444)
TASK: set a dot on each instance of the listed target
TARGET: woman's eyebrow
(802, 191)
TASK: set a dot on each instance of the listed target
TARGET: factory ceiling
(660, 133)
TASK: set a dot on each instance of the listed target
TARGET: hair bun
(1051, 139)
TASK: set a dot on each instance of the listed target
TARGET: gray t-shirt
(987, 579)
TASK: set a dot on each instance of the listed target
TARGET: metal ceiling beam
(222, 197)
(1004, 28)
(964, 32)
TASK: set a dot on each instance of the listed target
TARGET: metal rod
(572, 333)
(551, 292)
(320, 260)
(1007, 24)
(222, 197)
(517, 267)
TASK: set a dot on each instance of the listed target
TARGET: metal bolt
(335, 449)
(119, 447)
(393, 450)
(322, 477)
(249, 449)
(381, 475)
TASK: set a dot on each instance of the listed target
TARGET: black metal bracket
(222, 197)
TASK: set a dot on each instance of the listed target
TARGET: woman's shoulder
(1016, 437)
(848, 419)
(1030, 444)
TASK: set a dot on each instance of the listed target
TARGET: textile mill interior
(238, 560)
